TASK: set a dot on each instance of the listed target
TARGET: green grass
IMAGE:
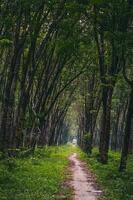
(117, 186)
(41, 177)
(37, 177)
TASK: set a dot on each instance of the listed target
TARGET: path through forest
(83, 181)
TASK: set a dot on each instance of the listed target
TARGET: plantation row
(60, 57)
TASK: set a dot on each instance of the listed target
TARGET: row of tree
(39, 51)
(106, 115)
(48, 49)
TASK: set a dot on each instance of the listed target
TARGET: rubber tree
(128, 125)
(110, 33)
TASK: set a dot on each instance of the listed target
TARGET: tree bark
(105, 124)
(129, 121)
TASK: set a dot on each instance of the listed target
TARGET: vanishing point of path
(83, 182)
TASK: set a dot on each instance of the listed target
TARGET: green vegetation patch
(37, 177)
(117, 186)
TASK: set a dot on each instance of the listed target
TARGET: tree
(128, 125)
(110, 29)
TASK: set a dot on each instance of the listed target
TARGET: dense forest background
(59, 57)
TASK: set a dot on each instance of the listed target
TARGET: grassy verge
(37, 177)
(117, 186)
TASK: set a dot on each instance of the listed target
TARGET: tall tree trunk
(129, 121)
(8, 100)
(105, 124)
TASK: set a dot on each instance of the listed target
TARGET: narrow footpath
(83, 182)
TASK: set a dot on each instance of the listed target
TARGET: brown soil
(83, 181)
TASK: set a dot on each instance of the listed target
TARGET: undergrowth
(41, 176)
(116, 185)
(37, 177)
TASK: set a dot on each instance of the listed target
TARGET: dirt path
(83, 182)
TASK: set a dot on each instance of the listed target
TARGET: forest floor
(36, 177)
(83, 181)
(50, 175)
(116, 185)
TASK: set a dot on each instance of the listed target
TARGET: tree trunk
(114, 138)
(105, 124)
(129, 121)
